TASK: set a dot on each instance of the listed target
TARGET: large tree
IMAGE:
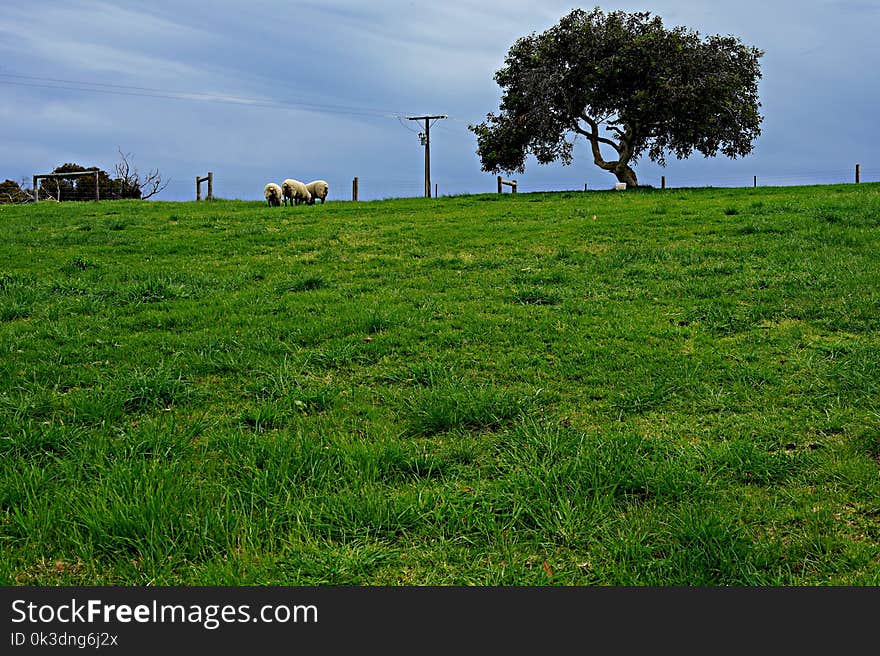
(630, 86)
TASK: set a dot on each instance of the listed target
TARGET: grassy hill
(674, 387)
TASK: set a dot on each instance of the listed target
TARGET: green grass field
(674, 387)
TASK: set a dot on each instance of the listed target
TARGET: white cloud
(96, 37)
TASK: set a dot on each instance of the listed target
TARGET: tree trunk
(625, 174)
(620, 168)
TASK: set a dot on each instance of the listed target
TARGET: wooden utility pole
(426, 142)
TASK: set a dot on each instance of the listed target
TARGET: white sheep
(273, 194)
(295, 192)
(318, 189)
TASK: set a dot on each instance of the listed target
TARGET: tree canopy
(624, 82)
(78, 187)
(12, 193)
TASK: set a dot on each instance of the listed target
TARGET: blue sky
(261, 91)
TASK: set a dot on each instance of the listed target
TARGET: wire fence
(798, 178)
(378, 188)
(370, 188)
(375, 187)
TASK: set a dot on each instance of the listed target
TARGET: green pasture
(639, 388)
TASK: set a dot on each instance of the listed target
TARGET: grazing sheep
(295, 192)
(273, 193)
(318, 189)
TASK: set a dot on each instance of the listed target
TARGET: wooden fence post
(354, 189)
(210, 180)
(36, 193)
(97, 187)
(858, 176)
(435, 190)
(663, 182)
(509, 183)
(756, 182)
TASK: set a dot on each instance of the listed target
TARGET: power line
(413, 130)
(197, 96)
(149, 92)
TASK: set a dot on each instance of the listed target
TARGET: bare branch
(153, 184)
(130, 179)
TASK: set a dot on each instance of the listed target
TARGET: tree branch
(130, 178)
(153, 183)
(593, 135)
(595, 140)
